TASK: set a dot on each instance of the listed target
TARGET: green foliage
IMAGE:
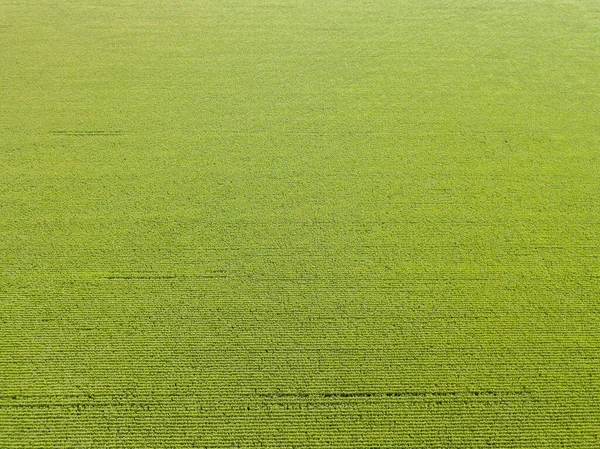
(309, 224)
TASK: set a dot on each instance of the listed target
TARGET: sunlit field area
(357, 224)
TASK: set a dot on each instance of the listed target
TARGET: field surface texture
(364, 224)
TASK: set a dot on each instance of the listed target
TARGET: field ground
(299, 224)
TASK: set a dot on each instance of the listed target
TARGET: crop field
(345, 224)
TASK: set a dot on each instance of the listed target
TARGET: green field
(363, 224)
